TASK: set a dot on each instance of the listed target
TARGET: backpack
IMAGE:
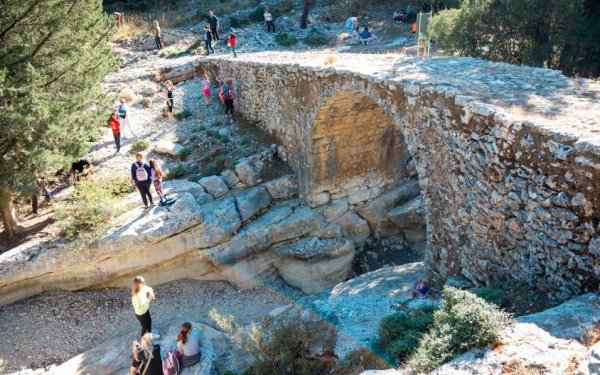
(170, 364)
(228, 92)
(141, 174)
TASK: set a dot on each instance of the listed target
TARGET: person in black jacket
(140, 175)
(146, 357)
(213, 21)
(208, 38)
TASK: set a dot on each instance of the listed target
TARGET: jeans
(158, 42)
(144, 188)
(270, 26)
(233, 50)
(145, 321)
(208, 46)
(228, 106)
(117, 137)
(215, 33)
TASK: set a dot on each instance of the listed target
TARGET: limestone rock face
(172, 186)
(376, 211)
(220, 220)
(251, 201)
(214, 185)
(314, 264)
(141, 227)
(168, 147)
(410, 217)
(284, 187)
(114, 356)
(231, 179)
(550, 339)
(361, 302)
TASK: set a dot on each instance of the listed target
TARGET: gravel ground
(56, 326)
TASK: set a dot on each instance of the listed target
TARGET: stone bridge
(508, 157)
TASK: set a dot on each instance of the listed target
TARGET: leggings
(146, 322)
(144, 189)
(117, 137)
(270, 26)
(229, 106)
(158, 187)
(158, 42)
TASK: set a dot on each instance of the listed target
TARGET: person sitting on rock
(80, 168)
(146, 357)
(351, 25)
(189, 344)
(399, 15)
(366, 36)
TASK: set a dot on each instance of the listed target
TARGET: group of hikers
(147, 357)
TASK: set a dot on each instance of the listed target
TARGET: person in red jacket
(115, 126)
(232, 42)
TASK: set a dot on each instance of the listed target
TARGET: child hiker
(156, 176)
(205, 84)
(232, 42)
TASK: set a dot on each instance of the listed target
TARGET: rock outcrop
(169, 148)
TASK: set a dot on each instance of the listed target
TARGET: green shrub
(358, 361)
(210, 170)
(284, 39)
(221, 163)
(185, 152)
(139, 145)
(194, 178)
(464, 321)
(212, 133)
(216, 123)
(281, 347)
(146, 103)
(223, 138)
(181, 115)
(315, 39)
(86, 215)
(238, 22)
(257, 15)
(164, 111)
(176, 171)
(399, 333)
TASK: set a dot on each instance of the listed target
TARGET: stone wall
(508, 157)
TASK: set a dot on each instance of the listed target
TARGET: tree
(53, 55)
(304, 17)
(559, 34)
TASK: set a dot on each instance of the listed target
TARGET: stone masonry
(508, 157)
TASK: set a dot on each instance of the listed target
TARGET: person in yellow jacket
(141, 296)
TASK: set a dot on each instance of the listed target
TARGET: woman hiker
(141, 296)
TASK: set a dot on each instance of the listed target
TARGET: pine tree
(53, 55)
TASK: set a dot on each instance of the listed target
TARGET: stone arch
(354, 141)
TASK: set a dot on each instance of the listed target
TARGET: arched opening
(359, 153)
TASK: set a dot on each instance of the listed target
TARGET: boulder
(251, 201)
(146, 87)
(284, 187)
(360, 303)
(168, 147)
(231, 179)
(220, 219)
(547, 342)
(410, 218)
(214, 185)
(247, 172)
(142, 227)
(354, 227)
(180, 186)
(114, 356)
(376, 211)
(313, 264)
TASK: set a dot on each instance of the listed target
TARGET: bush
(282, 346)
(464, 321)
(182, 115)
(146, 103)
(400, 333)
(127, 94)
(185, 152)
(316, 38)
(176, 171)
(238, 22)
(139, 145)
(216, 123)
(284, 39)
(87, 214)
(358, 361)
(257, 15)
(331, 59)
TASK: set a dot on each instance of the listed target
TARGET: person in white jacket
(124, 119)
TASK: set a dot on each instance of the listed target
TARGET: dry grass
(591, 335)
(331, 59)
(128, 94)
(516, 367)
(132, 27)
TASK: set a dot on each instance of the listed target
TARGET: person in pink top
(205, 84)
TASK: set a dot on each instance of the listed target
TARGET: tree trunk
(304, 17)
(9, 216)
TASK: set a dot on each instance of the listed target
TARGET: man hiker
(213, 21)
(115, 126)
(39, 187)
(140, 175)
